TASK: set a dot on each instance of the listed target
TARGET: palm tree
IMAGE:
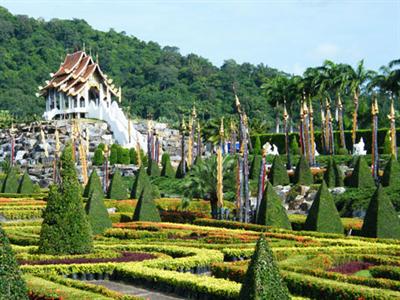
(201, 181)
(357, 78)
(276, 91)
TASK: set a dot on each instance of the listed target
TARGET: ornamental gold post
(323, 131)
(233, 138)
(312, 139)
(190, 142)
(220, 194)
(183, 164)
(239, 187)
(244, 144)
(375, 155)
(301, 129)
(340, 121)
(105, 179)
(199, 150)
(150, 138)
(285, 126)
(138, 153)
(221, 135)
(192, 133)
(392, 118)
(56, 156)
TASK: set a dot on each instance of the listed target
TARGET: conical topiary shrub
(263, 280)
(146, 209)
(93, 183)
(333, 175)
(294, 148)
(141, 180)
(361, 176)
(271, 211)
(257, 146)
(278, 174)
(152, 168)
(179, 173)
(11, 183)
(302, 174)
(255, 167)
(26, 185)
(167, 169)
(65, 227)
(391, 174)
(117, 189)
(97, 213)
(12, 286)
(323, 215)
(381, 219)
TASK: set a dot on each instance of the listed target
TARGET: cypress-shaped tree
(257, 146)
(323, 215)
(271, 211)
(333, 175)
(11, 183)
(294, 148)
(179, 173)
(381, 219)
(278, 174)
(255, 167)
(12, 286)
(97, 212)
(93, 183)
(391, 174)
(117, 189)
(26, 185)
(387, 144)
(263, 280)
(98, 157)
(361, 176)
(141, 180)
(167, 169)
(302, 174)
(124, 157)
(113, 159)
(146, 209)
(152, 168)
(65, 228)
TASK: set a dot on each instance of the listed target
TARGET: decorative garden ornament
(359, 148)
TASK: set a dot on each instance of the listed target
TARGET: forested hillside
(155, 79)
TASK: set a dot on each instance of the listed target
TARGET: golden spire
(221, 128)
(220, 194)
(194, 113)
(57, 142)
(392, 114)
(285, 113)
(374, 108)
(183, 124)
(340, 104)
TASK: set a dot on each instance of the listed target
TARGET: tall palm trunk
(340, 121)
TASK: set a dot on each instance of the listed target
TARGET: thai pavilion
(79, 89)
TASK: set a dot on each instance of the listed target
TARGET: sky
(288, 35)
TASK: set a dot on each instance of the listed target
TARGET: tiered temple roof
(74, 72)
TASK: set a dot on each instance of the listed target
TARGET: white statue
(270, 150)
(358, 149)
(316, 153)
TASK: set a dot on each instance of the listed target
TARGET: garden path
(129, 289)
